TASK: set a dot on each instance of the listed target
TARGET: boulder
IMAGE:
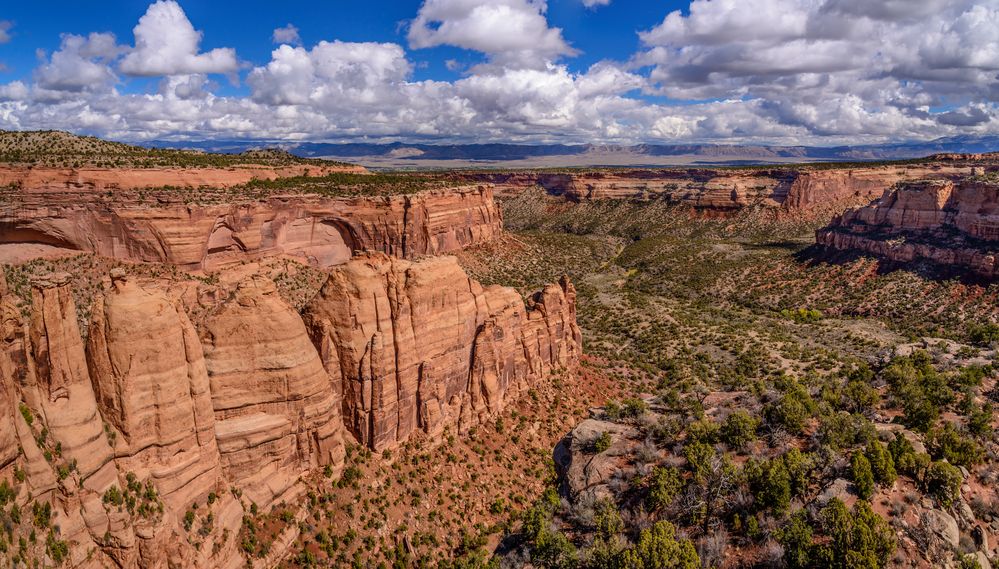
(942, 525)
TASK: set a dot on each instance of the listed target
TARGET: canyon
(179, 409)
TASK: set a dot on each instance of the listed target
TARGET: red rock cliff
(422, 346)
(954, 225)
(124, 434)
(160, 227)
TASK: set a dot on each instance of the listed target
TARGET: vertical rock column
(152, 388)
(58, 390)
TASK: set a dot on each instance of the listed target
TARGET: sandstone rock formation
(277, 410)
(801, 190)
(149, 374)
(422, 346)
(953, 225)
(320, 230)
(127, 436)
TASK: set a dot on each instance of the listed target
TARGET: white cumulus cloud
(166, 43)
(512, 32)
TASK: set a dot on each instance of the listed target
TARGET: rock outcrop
(422, 346)
(149, 374)
(324, 231)
(126, 436)
(277, 411)
(954, 225)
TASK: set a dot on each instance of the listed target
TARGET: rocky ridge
(953, 225)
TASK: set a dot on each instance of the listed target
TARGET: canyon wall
(324, 231)
(422, 346)
(800, 190)
(953, 225)
(152, 439)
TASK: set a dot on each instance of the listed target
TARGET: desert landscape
(325, 366)
(499, 284)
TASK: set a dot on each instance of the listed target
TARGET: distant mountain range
(404, 154)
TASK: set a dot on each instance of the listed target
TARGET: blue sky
(619, 71)
(601, 32)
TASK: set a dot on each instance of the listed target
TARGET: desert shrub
(841, 430)
(796, 538)
(984, 334)
(769, 483)
(946, 442)
(659, 548)
(905, 458)
(602, 442)
(943, 481)
(788, 412)
(664, 483)
(703, 431)
(739, 429)
(860, 473)
(882, 463)
(919, 389)
(857, 539)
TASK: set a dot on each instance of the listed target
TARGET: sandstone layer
(151, 424)
(324, 231)
(952, 225)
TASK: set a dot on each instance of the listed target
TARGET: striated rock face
(422, 346)
(153, 419)
(954, 225)
(322, 231)
(800, 190)
(277, 409)
(152, 389)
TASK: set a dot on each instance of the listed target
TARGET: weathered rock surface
(422, 346)
(953, 225)
(586, 473)
(63, 435)
(127, 434)
(152, 389)
(277, 410)
(324, 231)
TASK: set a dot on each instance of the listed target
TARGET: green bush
(769, 483)
(943, 481)
(739, 429)
(863, 478)
(602, 442)
(857, 539)
(659, 548)
(919, 389)
(882, 463)
(946, 442)
(664, 483)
